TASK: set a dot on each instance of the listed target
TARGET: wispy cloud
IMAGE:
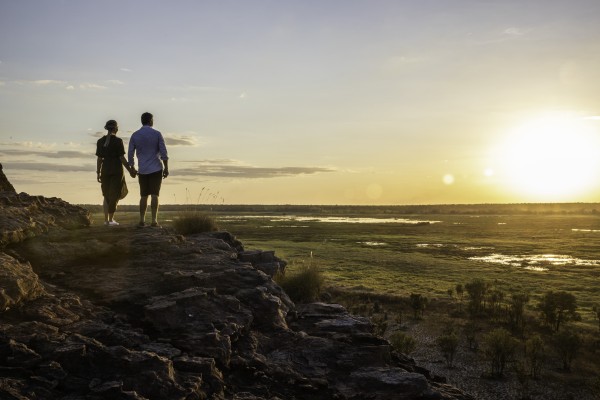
(91, 86)
(40, 82)
(47, 167)
(173, 139)
(229, 170)
(30, 144)
(125, 70)
(515, 32)
(47, 154)
(44, 82)
(397, 62)
(115, 82)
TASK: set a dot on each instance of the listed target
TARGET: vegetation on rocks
(190, 222)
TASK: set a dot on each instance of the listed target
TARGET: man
(149, 146)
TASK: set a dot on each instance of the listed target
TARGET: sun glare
(551, 158)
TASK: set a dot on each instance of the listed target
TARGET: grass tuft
(191, 222)
(303, 285)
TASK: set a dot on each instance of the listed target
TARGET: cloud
(44, 82)
(126, 70)
(47, 167)
(513, 31)
(173, 139)
(396, 63)
(115, 82)
(242, 95)
(47, 154)
(92, 86)
(70, 87)
(30, 144)
(2, 83)
(227, 170)
(69, 154)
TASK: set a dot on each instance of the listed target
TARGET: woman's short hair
(111, 124)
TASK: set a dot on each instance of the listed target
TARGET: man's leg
(154, 208)
(143, 207)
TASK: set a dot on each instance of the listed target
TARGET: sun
(551, 158)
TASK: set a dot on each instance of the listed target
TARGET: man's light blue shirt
(149, 146)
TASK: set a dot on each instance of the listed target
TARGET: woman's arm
(98, 168)
(129, 168)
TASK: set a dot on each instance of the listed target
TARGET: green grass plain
(398, 259)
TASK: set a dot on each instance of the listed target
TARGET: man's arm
(129, 168)
(162, 149)
(166, 168)
(130, 152)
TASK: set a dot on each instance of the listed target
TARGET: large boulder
(18, 282)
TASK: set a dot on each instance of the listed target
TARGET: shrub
(516, 311)
(448, 345)
(567, 345)
(303, 286)
(403, 343)
(418, 303)
(194, 222)
(535, 354)
(470, 330)
(476, 289)
(499, 347)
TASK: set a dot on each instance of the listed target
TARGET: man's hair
(147, 118)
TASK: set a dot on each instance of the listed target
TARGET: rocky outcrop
(5, 185)
(92, 312)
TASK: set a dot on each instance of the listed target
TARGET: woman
(111, 160)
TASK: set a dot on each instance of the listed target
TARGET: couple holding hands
(149, 147)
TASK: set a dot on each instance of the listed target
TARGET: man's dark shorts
(150, 183)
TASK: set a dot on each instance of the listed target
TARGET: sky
(308, 102)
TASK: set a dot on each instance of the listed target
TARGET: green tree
(567, 345)
(499, 348)
(418, 303)
(476, 289)
(557, 308)
(448, 345)
(516, 310)
(470, 330)
(460, 291)
(535, 355)
(495, 298)
(596, 310)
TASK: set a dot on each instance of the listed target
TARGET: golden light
(551, 158)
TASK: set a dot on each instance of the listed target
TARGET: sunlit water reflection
(536, 262)
(347, 220)
(532, 262)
